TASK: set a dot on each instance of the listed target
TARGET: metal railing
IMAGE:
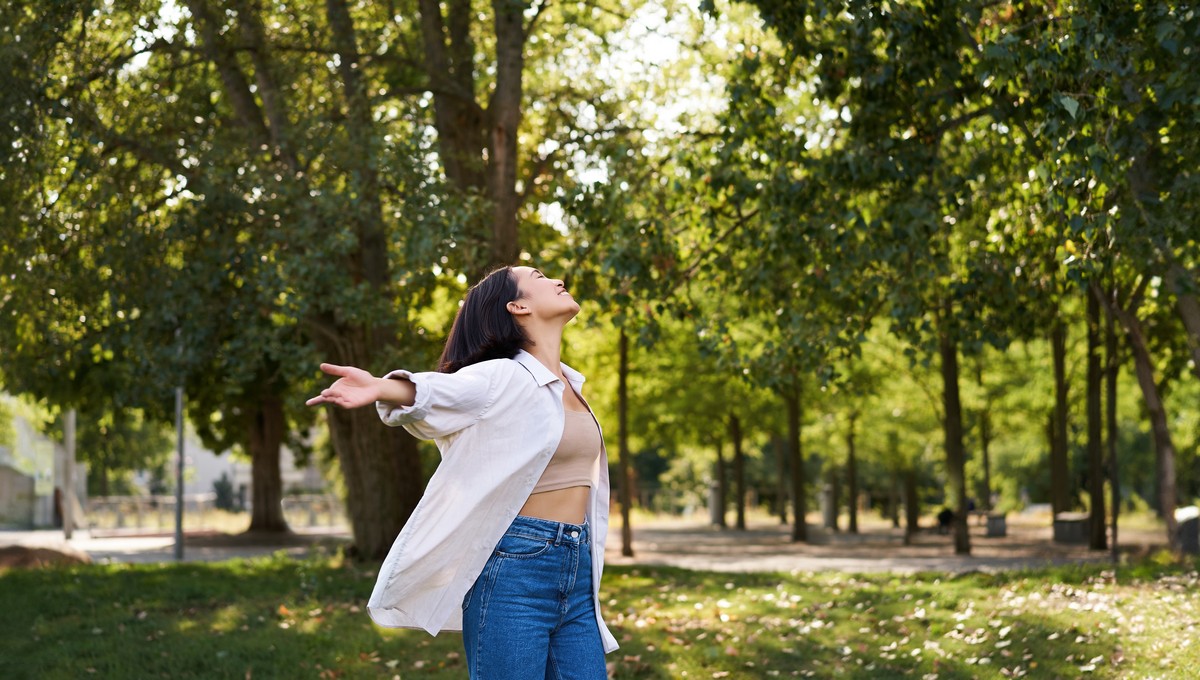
(148, 514)
(314, 511)
(145, 515)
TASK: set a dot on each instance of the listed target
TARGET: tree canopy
(863, 230)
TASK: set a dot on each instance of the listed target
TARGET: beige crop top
(577, 452)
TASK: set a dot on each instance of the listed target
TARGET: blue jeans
(530, 614)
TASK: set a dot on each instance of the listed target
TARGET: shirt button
(574, 534)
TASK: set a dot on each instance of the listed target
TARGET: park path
(765, 546)
(152, 548)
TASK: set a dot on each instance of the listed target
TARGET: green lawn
(284, 618)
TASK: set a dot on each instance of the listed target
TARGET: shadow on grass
(1055, 622)
(279, 617)
(262, 618)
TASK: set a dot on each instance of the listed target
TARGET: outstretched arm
(356, 387)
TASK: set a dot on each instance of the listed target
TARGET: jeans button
(574, 534)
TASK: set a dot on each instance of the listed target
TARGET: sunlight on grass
(282, 618)
(227, 619)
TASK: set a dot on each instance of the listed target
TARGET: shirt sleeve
(445, 402)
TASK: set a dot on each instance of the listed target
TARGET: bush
(223, 487)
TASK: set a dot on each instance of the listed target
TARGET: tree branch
(699, 259)
(462, 47)
(234, 81)
(250, 21)
(533, 20)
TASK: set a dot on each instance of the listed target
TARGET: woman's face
(544, 297)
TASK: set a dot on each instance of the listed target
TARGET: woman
(507, 544)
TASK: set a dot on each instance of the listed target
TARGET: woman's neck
(545, 344)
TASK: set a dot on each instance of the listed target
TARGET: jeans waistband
(548, 529)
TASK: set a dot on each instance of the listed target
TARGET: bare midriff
(561, 505)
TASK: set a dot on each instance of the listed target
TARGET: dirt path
(198, 547)
(767, 546)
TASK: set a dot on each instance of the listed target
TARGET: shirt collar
(541, 374)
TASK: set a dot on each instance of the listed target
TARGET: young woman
(507, 544)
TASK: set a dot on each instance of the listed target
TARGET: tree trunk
(504, 112)
(953, 428)
(1164, 447)
(381, 465)
(852, 478)
(1112, 370)
(739, 471)
(912, 505)
(626, 490)
(834, 485)
(722, 486)
(1183, 285)
(894, 491)
(985, 440)
(382, 471)
(366, 213)
(781, 468)
(459, 120)
(381, 468)
(1095, 427)
(799, 526)
(894, 501)
(274, 107)
(233, 79)
(1060, 482)
(462, 130)
(266, 429)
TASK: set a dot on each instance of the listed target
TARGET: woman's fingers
(344, 391)
(325, 397)
(334, 369)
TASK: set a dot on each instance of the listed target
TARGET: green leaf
(1070, 104)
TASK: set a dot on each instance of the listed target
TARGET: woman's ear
(517, 309)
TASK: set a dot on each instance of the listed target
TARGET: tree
(121, 99)
(285, 148)
(1120, 169)
(120, 441)
(934, 97)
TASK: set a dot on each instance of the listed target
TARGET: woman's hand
(354, 387)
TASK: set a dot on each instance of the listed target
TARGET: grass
(283, 618)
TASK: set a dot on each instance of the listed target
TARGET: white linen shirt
(497, 424)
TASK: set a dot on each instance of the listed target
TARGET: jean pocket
(519, 546)
(467, 598)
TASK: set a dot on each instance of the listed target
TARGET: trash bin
(997, 524)
(1071, 527)
(1187, 529)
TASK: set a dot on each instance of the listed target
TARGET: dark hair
(484, 328)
